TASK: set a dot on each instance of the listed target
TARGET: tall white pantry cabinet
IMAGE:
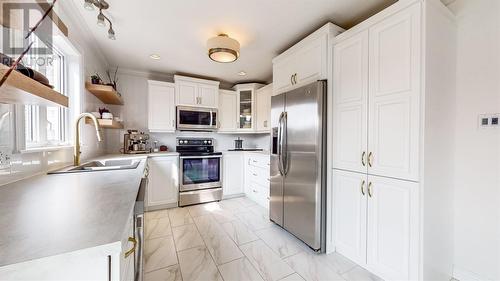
(392, 142)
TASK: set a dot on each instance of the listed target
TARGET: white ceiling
(178, 31)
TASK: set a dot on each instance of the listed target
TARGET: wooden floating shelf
(106, 123)
(105, 93)
(20, 89)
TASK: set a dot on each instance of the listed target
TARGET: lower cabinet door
(392, 234)
(233, 173)
(350, 200)
(163, 180)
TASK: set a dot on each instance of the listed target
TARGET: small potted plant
(96, 79)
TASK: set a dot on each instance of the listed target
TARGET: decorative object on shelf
(114, 80)
(90, 5)
(96, 79)
(223, 48)
(163, 148)
(103, 110)
(238, 144)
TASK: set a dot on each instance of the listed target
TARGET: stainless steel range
(200, 171)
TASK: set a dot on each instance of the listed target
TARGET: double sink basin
(100, 165)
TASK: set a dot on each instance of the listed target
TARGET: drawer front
(259, 194)
(258, 175)
(127, 263)
(261, 161)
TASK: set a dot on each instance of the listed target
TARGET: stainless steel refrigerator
(298, 160)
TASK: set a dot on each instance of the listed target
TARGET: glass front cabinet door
(246, 106)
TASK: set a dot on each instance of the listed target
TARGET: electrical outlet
(495, 121)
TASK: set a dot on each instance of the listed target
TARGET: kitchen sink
(100, 165)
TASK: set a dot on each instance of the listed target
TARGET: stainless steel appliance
(298, 158)
(196, 118)
(139, 228)
(200, 171)
(135, 142)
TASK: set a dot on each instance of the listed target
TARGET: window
(47, 126)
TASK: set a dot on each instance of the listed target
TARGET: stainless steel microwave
(196, 118)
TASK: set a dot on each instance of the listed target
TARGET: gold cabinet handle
(370, 193)
(131, 251)
(363, 188)
(291, 79)
(295, 78)
(370, 159)
(363, 158)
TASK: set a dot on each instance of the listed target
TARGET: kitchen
(343, 145)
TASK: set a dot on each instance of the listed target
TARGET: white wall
(477, 191)
(134, 89)
(27, 164)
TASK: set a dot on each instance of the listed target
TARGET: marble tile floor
(234, 240)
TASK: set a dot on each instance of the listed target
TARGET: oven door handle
(203, 157)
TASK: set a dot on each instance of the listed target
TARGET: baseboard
(233, 196)
(160, 207)
(465, 275)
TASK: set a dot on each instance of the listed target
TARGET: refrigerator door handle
(284, 152)
(280, 143)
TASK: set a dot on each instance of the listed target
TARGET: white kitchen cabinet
(394, 93)
(393, 90)
(350, 103)
(263, 109)
(350, 214)
(246, 106)
(376, 109)
(392, 229)
(163, 181)
(257, 182)
(305, 62)
(196, 92)
(228, 111)
(161, 106)
(233, 174)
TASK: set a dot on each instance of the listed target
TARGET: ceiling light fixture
(242, 73)
(155, 56)
(223, 48)
(90, 5)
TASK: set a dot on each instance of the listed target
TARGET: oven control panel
(195, 142)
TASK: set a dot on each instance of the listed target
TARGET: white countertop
(48, 215)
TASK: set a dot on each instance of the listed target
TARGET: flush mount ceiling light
(223, 48)
(90, 5)
(155, 56)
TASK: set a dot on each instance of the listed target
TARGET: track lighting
(90, 5)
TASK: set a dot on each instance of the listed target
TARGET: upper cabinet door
(393, 233)
(246, 109)
(305, 63)
(350, 103)
(310, 62)
(228, 111)
(263, 108)
(350, 214)
(394, 95)
(187, 93)
(161, 106)
(208, 95)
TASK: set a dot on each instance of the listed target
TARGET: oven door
(200, 172)
(196, 118)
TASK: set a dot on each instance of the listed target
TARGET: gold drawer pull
(370, 159)
(363, 158)
(363, 188)
(370, 192)
(131, 251)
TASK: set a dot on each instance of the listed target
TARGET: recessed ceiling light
(155, 56)
(242, 73)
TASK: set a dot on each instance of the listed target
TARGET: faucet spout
(77, 151)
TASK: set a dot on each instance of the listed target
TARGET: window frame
(36, 135)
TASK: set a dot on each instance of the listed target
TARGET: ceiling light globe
(223, 49)
(111, 34)
(88, 5)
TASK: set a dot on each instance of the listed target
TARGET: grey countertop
(47, 215)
